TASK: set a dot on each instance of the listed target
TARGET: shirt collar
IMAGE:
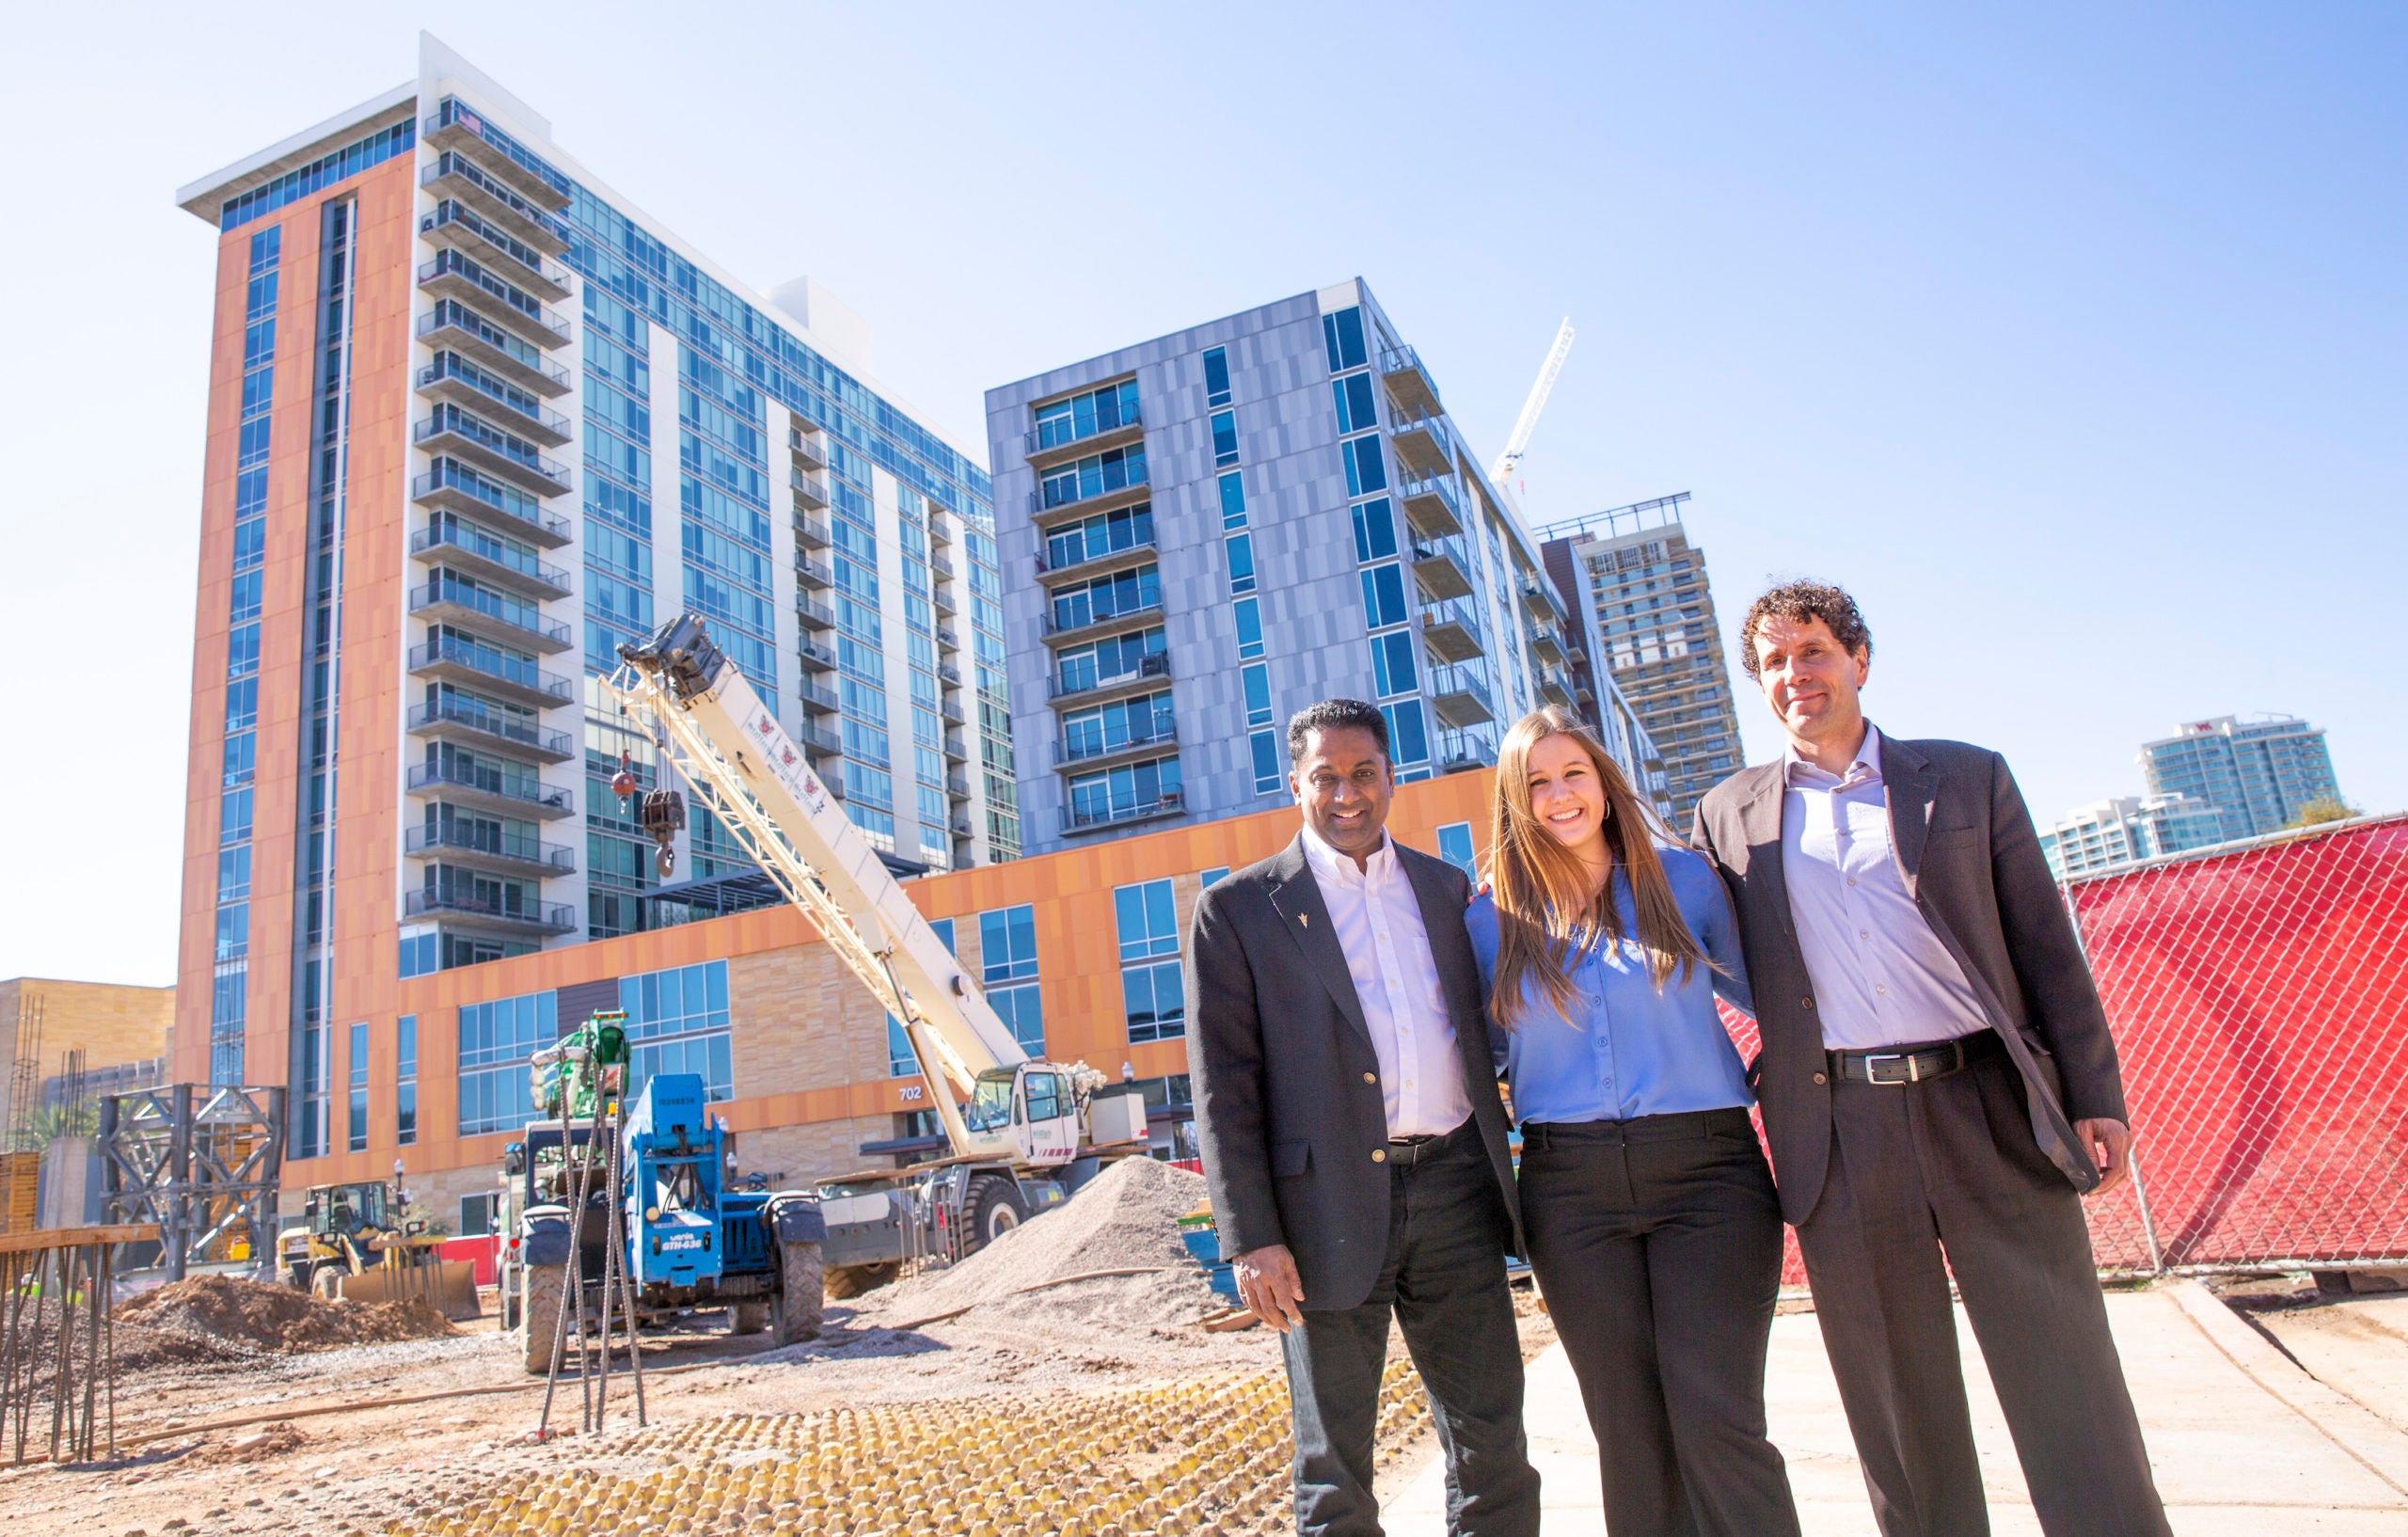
(1866, 768)
(1328, 862)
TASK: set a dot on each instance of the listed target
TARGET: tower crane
(1527, 421)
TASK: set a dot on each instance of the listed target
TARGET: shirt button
(1378, 1155)
(1851, 881)
(1880, 989)
(1864, 933)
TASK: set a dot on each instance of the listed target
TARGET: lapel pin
(1306, 919)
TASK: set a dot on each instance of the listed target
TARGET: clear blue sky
(2070, 338)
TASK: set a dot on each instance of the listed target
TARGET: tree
(2324, 808)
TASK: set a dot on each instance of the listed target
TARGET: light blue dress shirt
(1627, 1051)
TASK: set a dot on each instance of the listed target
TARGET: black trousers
(1657, 1243)
(1444, 1284)
(1948, 1167)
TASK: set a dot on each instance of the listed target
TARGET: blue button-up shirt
(1628, 1050)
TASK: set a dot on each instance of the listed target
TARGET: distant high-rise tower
(1647, 628)
(2256, 773)
(2127, 830)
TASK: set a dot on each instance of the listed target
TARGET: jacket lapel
(1909, 778)
(1760, 824)
(1296, 896)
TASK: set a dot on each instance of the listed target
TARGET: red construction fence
(2258, 993)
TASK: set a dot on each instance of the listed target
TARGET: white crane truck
(1025, 1135)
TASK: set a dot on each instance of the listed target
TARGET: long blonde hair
(1545, 912)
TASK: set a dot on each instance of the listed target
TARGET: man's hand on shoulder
(2110, 1146)
(1269, 1286)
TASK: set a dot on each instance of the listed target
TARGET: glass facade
(1655, 631)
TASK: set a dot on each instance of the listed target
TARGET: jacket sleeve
(1227, 1068)
(2060, 997)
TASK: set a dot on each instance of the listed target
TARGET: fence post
(2148, 1224)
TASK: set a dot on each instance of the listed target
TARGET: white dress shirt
(1881, 976)
(1378, 921)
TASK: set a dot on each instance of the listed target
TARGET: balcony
(1460, 702)
(808, 446)
(1094, 624)
(494, 911)
(811, 573)
(452, 486)
(1547, 644)
(819, 744)
(1536, 597)
(814, 613)
(941, 598)
(951, 711)
(940, 526)
(1422, 446)
(1451, 633)
(1092, 753)
(443, 602)
(949, 675)
(462, 721)
(1052, 444)
(814, 655)
(453, 380)
(453, 275)
(948, 640)
(496, 249)
(810, 489)
(1111, 484)
(1152, 671)
(818, 696)
(1410, 387)
(475, 441)
(1076, 820)
(477, 790)
(488, 848)
(1099, 564)
(957, 784)
(1581, 691)
(454, 325)
(961, 825)
(957, 747)
(1554, 686)
(455, 175)
(451, 660)
(811, 530)
(454, 125)
(481, 555)
(1433, 507)
(1441, 576)
(942, 567)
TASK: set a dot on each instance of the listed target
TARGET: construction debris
(219, 1311)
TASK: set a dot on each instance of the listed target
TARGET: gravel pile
(219, 1311)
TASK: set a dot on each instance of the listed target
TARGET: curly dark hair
(1798, 601)
(1334, 715)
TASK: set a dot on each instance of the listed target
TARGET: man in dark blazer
(1936, 1076)
(1353, 1139)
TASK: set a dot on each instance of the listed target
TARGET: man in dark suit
(1353, 1139)
(1936, 1076)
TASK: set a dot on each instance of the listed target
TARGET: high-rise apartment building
(2127, 830)
(1204, 532)
(1644, 627)
(2257, 773)
(473, 420)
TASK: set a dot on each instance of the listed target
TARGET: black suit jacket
(1965, 846)
(1288, 1104)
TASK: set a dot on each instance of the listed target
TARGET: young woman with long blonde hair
(1649, 1207)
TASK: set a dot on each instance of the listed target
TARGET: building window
(1256, 682)
(1454, 846)
(406, 1086)
(1207, 880)
(1085, 415)
(1233, 500)
(1216, 376)
(356, 1139)
(1343, 334)
(1240, 563)
(1224, 438)
(1383, 596)
(1374, 530)
(420, 954)
(1366, 471)
(1155, 1003)
(1354, 397)
(1249, 616)
(496, 1040)
(1007, 966)
(1393, 669)
(677, 1021)
(479, 1214)
(1407, 740)
(1265, 747)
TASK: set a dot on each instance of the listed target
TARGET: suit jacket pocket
(1289, 1159)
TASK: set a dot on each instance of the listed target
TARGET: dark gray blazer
(1287, 1103)
(1965, 846)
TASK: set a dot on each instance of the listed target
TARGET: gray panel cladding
(1295, 486)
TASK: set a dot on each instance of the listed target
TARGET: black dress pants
(1657, 1243)
(1444, 1284)
(1948, 1165)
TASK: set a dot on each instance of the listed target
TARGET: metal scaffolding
(202, 1161)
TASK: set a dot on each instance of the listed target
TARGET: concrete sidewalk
(2245, 1443)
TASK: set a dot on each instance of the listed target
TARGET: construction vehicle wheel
(748, 1317)
(326, 1283)
(852, 1281)
(800, 1289)
(993, 1208)
(547, 1289)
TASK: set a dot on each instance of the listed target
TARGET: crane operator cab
(1036, 1102)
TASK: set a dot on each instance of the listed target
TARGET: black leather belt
(1405, 1152)
(1914, 1062)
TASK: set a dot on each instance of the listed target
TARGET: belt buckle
(1914, 1068)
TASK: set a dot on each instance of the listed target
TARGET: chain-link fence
(2258, 993)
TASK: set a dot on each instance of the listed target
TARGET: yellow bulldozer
(352, 1246)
